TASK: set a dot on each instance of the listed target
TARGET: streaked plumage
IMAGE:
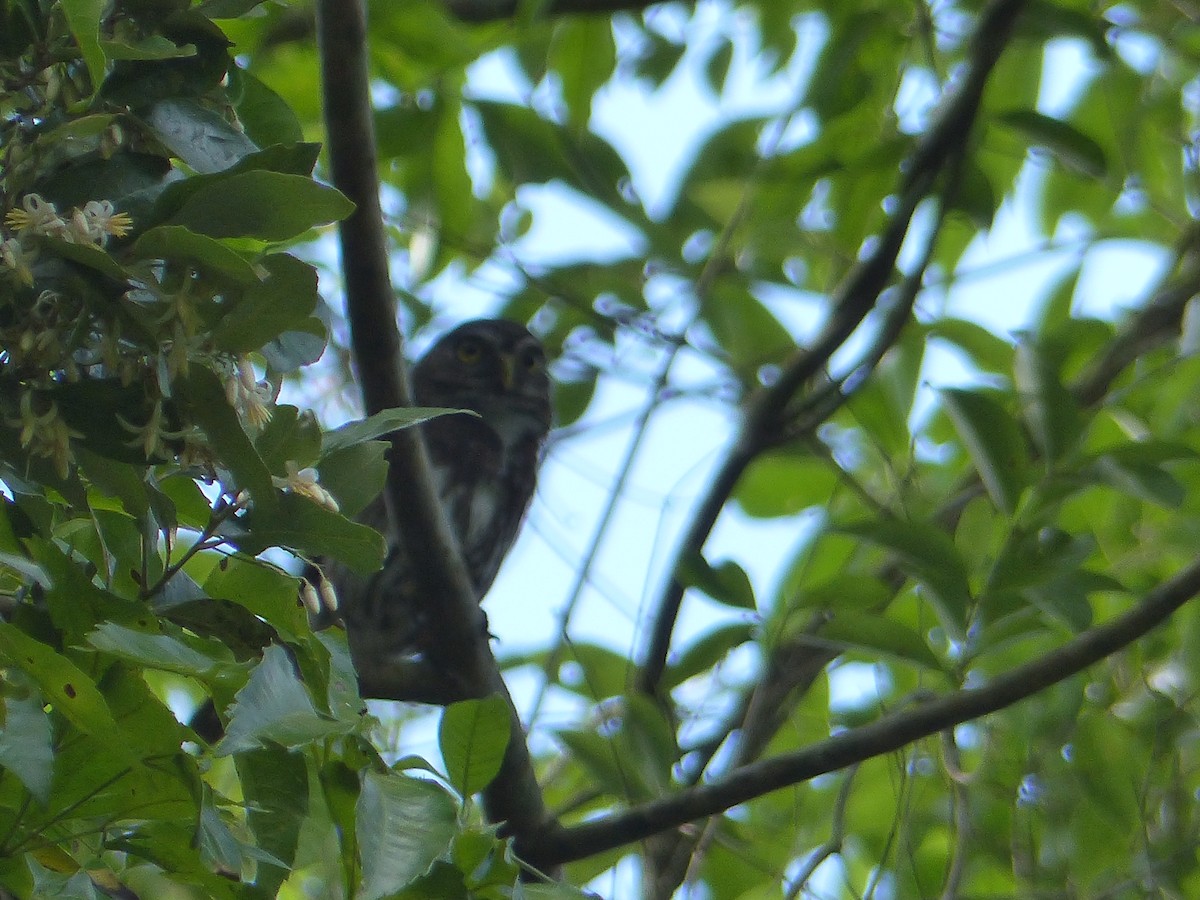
(485, 468)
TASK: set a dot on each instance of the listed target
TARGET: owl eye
(532, 360)
(469, 351)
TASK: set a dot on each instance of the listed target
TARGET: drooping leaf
(403, 825)
(73, 693)
(159, 651)
(179, 243)
(203, 398)
(1051, 411)
(197, 135)
(994, 441)
(473, 736)
(283, 300)
(274, 707)
(275, 784)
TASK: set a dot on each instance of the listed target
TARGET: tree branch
(461, 653)
(854, 298)
(886, 735)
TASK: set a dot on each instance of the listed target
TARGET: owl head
(494, 367)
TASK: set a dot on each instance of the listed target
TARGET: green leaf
(178, 243)
(293, 349)
(263, 113)
(271, 206)
(26, 748)
(275, 707)
(583, 55)
(994, 442)
(159, 651)
(150, 47)
(1050, 409)
(86, 255)
(84, 18)
(49, 883)
(199, 136)
(403, 825)
(116, 479)
(726, 582)
(355, 475)
(783, 484)
(291, 436)
(602, 760)
(275, 786)
(473, 736)
(706, 652)
(593, 671)
(927, 554)
(1145, 480)
(529, 148)
(747, 333)
(989, 352)
(62, 683)
(382, 423)
(846, 591)
(865, 631)
(1096, 743)
(281, 301)
(299, 523)
(264, 590)
(1064, 141)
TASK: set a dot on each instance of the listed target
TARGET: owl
(484, 468)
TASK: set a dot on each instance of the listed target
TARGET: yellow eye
(469, 351)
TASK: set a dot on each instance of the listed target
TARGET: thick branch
(886, 735)
(855, 297)
(462, 653)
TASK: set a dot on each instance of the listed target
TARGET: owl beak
(508, 371)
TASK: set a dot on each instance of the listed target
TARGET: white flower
(251, 399)
(37, 215)
(305, 483)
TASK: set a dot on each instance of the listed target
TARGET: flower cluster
(93, 223)
(45, 433)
